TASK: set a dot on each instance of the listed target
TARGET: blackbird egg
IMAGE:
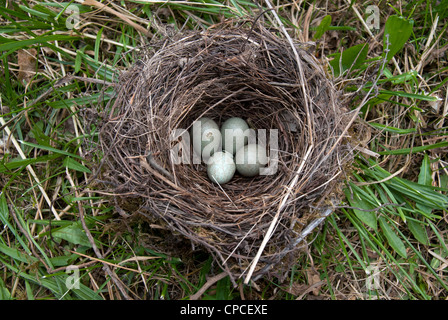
(221, 167)
(206, 137)
(234, 134)
(249, 159)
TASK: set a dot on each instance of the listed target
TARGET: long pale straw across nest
(241, 70)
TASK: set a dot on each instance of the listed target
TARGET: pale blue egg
(221, 167)
(234, 134)
(250, 158)
(206, 137)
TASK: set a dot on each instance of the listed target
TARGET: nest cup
(230, 70)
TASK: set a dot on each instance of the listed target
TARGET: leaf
(19, 163)
(78, 62)
(438, 256)
(35, 12)
(426, 195)
(97, 45)
(223, 291)
(73, 234)
(16, 254)
(352, 58)
(425, 178)
(396, 33)
(29, 291)
(396, 79)
(442, 144)
(323, 26)
(37, 132)
(26, 59)
(235, 5)
(51, 149)
(4, 211)
(417, 96)
(56, 283)
(392, 129)
(418, 231)
(392, 238)
(59, 261)
(404, 77)
(75, 165)
(4, 292)
(17, 44)
(368, 217)
(93, 99)
(444, 181)
(380, 98)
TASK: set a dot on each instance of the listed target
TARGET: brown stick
(208, 284)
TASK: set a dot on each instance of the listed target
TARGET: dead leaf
(26, 60)
(314, 281)
(301, 289)
(296, 289)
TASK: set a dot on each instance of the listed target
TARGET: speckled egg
(206, 137)
(232, 133)
(250, 158)
(221, 167)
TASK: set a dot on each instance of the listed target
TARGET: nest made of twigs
(230, 70)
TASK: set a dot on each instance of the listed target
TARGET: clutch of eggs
(227, 151)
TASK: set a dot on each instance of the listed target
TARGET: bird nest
(244, 70)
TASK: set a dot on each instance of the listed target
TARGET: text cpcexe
(246, 309)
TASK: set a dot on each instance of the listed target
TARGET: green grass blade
(17, 255)
(391, 129)
(20, 163)
(75, 165)
(12, 45)
(50, 149)
(4, 217)
(409, 95)
(393, 240)
(96, 55)
(425, 178)
(417, 149)
(4, 292)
